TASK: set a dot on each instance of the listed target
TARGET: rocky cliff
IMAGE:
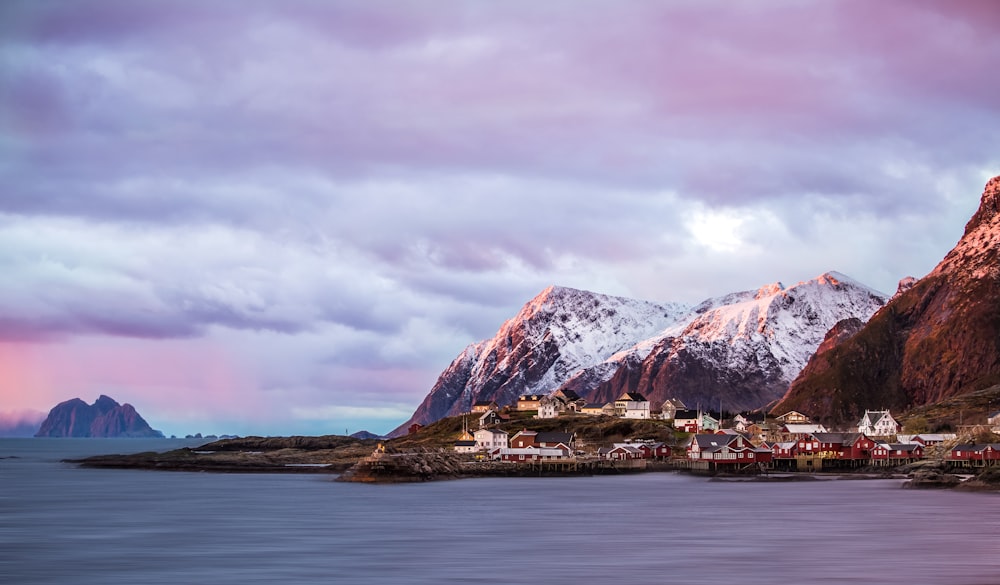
(105, 418)
(938, 338)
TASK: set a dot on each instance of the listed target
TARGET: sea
(62, 524)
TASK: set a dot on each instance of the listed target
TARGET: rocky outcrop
(105, 418)
(936, 340)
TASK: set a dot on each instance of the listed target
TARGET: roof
(633, 396)
(465, 443)
(829, 437)
(569, 395)
(676, 403)
(555, 437)
(686, 414)
(806, 429)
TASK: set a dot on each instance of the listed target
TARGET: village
(709, 441)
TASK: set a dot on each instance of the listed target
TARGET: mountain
(744, 347)
(554, 336)
(105, 418)
(937, 339)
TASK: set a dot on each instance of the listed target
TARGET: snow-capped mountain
(555, 335)
(744, 347)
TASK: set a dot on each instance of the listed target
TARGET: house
(927, 439)
(549, 407)
(595, 409)
(976, 455)
(709, 422)
(526, 454)
(412, 429)
(489, 439)
(743, 421)
(654, 450)
(897, 453)
(632, 405)
(527, 402)
(794, 432)
(670, 408)
(786, 450)
(856, 447)
(878, 423)
(481, 406)
(491, 418)
(568, 400)
(619, 452)
(523, 439)
(464, 446)
(794, 417)
(688, 421)
(555, 439)
(641, 449)
(727, 450)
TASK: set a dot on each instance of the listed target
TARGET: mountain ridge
(579, 340)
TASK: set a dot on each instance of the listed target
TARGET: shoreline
(356, 460)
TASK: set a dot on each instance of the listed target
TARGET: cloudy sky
(288, 217)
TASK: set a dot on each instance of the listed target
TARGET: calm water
(62, 524)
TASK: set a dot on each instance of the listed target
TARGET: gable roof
(633, 396)
(805, 429)
(555, 437)
(686, 414)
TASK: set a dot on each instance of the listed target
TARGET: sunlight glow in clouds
(230, 214)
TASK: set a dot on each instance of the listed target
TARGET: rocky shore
(369, 461)
(326, 454)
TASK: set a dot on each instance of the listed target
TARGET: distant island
(106, 418)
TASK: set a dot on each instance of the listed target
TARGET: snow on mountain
(747, 345)
(791, 322)
(555, 335)
(744, 348)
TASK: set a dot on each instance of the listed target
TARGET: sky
(276, 218)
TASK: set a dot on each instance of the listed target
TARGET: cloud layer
(318, 205)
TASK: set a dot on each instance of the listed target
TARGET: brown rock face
(937, 340)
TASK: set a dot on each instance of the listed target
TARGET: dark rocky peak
(105, 404)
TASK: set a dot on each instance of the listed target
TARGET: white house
(670, 408)
(465, 446)
(632, 405)
(490, 439)
(878, 423)
(548, 407)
